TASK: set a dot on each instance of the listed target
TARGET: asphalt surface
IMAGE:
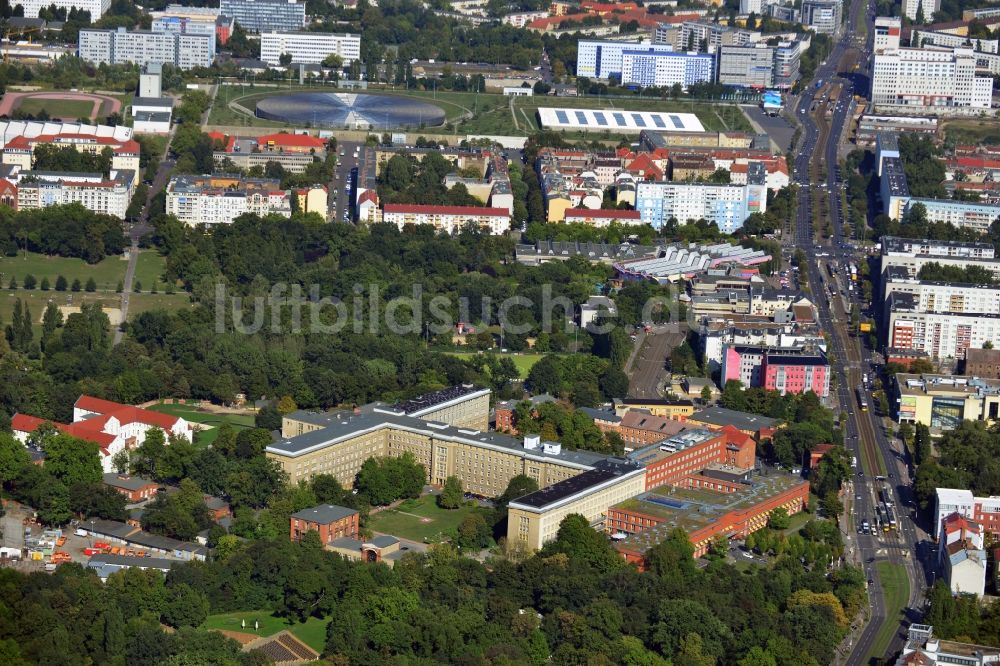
(339, 199)
(648, 367)
(777, 128)
(864, 432)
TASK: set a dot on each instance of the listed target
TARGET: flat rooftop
(604, 471)
(913, 384)
(895, 176)
(694, 509)
(429, 401)
(720, 416)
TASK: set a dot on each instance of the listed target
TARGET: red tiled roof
(25, 423)
(125, 413)
(420, 209)
(610, 214)
(296, 140)
(22, 142)
(975, 162)
(368, 195)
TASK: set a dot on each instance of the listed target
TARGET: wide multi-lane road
(882, 463)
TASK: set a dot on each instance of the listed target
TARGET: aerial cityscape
(500, 333)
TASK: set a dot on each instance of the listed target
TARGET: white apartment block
(183, 25)
(977, 216)
(264, 15)
(601, 59)
(945, 296)
(943, 335)
(663, 70)
(206, 200)
(97, 8)
(913, 254)
(929, 79)
(696, 34)
(760, 66)
(521, 19)
(752, 7)
(109, 196)
(887, 32)
(929, 7)
(728, 206)
(450, 219)
(923, 38)
(309, 48)
(115, 47)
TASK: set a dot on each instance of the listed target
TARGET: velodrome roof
(617, 120)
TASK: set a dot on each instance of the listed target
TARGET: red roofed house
(602, 217)
(125, 153)
(448, 218)
(112, 426)
(368, 209)
(8, 193)
(817, 452)
(291, 143)
(645, 168)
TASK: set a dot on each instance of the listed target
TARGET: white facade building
(929, 79)
(939, 334)
(728, 206)
(601, 59)
(264, 15)
(887, 32)
(97, 8)
(109, 196)
(521, 19)
(928, 6)
(760, 66)
(206, 200)
(450, 219)
(184, 25)
(961, 554)
(309, 48)
(116, 47)
(648, 68)
(823, 15)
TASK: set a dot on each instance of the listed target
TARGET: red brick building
(670, 460)
(331, 521)
(640, 428)
(816, 454)
(135, 488)
(730, 510)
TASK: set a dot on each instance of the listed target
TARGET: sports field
(57, 108)
(896, 588)
(312, 632)
(420, 520)
(213, 421)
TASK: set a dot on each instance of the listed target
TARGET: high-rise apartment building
(929, 78)
(602, 59)
(911, 9)
(97, 8)
(141, 47)
(728, 206)
(648, 68)
(760, 66)
(309, 48)
(264, 15)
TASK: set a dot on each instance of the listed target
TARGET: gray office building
(266, 15)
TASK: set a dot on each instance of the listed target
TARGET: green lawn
(420, 520)
(107, 273)
(798, 521)
(312, 632)
(192, 414)
(57, 108)
(896, 590)
(149, 269)
(524, 362)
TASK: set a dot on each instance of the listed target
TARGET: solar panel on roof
(619, 119)
(581, 117)
(676, 120)
(658, 119)
(562, 118)
(638, 120)
(599, 117)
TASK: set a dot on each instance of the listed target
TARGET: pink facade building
(786, 370)
(797, 373)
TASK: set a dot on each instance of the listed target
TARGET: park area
(523, 362)
(61, 105)
(107, 274)
(312, 632)
(420, 520)
(210, 421)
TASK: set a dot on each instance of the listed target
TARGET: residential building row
(787, 370)
(259, 16)
(108, 195)
(219, 199)
(184, 50)
(97, 8)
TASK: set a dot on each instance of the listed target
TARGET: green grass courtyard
(192, 414)
(420, 520)
(523, 362)
(312, 632)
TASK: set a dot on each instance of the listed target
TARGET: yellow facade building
(942, 402)
(534, 519)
